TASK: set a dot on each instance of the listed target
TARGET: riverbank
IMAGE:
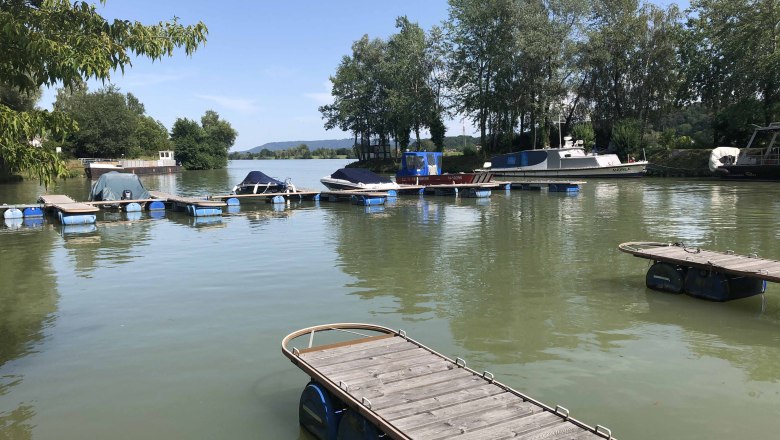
(670, 163)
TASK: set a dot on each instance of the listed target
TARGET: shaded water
(170, 327)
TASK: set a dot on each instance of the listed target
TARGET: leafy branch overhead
(56, 42)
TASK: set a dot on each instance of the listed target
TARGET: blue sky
(266, 63)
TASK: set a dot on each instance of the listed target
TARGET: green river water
(170, 328)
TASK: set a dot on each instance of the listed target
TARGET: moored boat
(759, 160)
(425, 168)
(257, 182)
(569, 161)
(166, 164)
(358, 179)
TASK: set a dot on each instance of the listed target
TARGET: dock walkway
(409, 391)
(66, 205)
(163, 196)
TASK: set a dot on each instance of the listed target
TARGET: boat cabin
(420, 163)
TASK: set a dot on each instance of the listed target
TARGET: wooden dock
(723, 262)
(66, 205)
(409, 391)
(179, 200)
(299, 195)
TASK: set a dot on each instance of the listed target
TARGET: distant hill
(313, 145)
(450, 142)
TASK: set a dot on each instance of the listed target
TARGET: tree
(45, 42)
(107, 126)
(205, 146)
(731, 59)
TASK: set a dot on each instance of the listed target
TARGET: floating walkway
(553, 185)
(377, 380)
(69, 211)
(359, 197)
(194, 206)
(277, 197)
(718, 276)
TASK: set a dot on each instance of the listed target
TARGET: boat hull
(94, 173)
(445, 179)
(749, 172)
(629, 170)
(343, 185)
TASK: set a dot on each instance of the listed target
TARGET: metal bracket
(606, 432)
(344, 386)
(366, 402)
(562, 411)
(296, 352)
(402, 333)
(460, 362)
(488, 376)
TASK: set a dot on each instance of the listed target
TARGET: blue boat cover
(359, 175)
(112, 185)
(256, 177)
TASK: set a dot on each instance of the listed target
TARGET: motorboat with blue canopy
(257, 182)
(358, 179)
(118, 186)
(425, 168)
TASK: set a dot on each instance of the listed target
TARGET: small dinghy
(258, 183)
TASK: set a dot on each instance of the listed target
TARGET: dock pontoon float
(371, 382)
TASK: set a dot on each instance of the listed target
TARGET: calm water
(169, 328)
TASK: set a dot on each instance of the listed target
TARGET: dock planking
(412, 392)
(163, 196)
(724, 262)
(66, 204)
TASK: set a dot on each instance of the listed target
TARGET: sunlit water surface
(163, 328)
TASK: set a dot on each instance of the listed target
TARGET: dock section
(194, 206)
(392, 384)
(269, 197)
(718, 276)
(69, 211)
(553, 185)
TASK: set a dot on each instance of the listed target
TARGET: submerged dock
(387, 382)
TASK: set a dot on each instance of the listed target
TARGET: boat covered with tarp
(118, 186)
(358, 179)
(257, 182)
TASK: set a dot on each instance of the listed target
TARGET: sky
(265, 65)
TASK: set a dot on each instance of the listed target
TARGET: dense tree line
(615, 73)
(299, 152)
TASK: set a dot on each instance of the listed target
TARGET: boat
(359, 179)
(424, 168)
(759, 160)
(569, 161)
(118, 186)
(166, 164)
(257, 182)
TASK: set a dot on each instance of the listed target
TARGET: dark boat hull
(94, 173)
(750, 172)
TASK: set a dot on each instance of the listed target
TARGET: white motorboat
(569, 161)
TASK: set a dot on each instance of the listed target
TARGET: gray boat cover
(112, 186)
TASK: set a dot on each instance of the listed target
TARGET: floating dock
(270, 197)
(553, 185)
(69, 211)
(377, 380)
(718, 276)
(194, 206)
(359, 197)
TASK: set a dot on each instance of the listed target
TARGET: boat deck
(409, 391)
(66, 204)
(724, 262)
